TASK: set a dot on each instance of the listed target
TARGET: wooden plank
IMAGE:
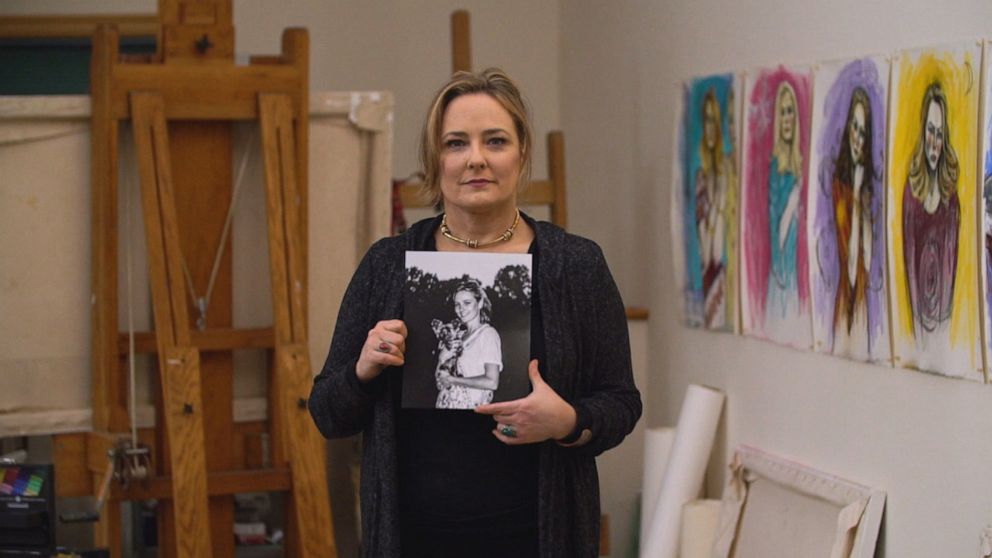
(461, 42)
(212, 339)
(203, 188)
(556, 173)
(291, 219)
(221, 483)
(160, 226)
(272, 119)
(204, 91)
(637, 314)
(296, 53)
(108, 413)
(538, 192)
(184, 424)
(61, 26)
(311, 509)
(72, 477)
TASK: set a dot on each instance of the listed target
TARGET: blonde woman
(931, 216)
(514, 478)
(784, 186)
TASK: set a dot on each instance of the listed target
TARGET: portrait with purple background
(871, 76)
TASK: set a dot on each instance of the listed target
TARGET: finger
(396, 326)
(505, 408)
(535, 374)
(506, 439)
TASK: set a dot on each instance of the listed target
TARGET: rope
(132, 373)
(203, 303)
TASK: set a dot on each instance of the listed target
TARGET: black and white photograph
(469, 329)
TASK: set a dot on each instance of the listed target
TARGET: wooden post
(179, 362)
(310, 509)
(461, 42)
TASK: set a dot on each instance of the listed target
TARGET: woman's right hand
(384, 346)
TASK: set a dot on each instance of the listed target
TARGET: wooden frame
(773, 508)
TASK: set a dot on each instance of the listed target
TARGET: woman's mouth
(477, 182)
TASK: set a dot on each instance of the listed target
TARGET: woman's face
(934, 135)
(709, 124)
(480, 155)
(466, 306)
(787, 115)
(856, 133)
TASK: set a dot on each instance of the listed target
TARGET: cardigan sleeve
(339, 403)
(611, 405)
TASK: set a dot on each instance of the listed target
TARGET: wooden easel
(181, 104)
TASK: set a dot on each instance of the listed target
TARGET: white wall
(923, 439)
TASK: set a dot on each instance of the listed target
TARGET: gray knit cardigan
(588, 364)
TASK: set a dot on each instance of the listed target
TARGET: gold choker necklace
(472, 243)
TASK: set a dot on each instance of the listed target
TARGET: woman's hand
(384, 346)
(540, 416)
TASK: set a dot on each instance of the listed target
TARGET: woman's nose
(476, 159)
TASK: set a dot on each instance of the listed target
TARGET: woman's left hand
(540, 416)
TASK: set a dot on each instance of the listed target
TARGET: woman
(784, 186)
(711, 201)
(476, 375)
(853, 193)
(515, 478)
(931, 216)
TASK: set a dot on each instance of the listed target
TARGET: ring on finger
(383, 347)
(508, 431)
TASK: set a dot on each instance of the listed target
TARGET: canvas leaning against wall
(775, 283)
(847, 210)
(705, 202)
(932, 220)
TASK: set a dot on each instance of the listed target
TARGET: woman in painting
(711, 201)
(853, 193)
(931, 217)
(514, 478)
(475, 374)
(784, 186)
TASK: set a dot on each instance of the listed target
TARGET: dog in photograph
(449, 344)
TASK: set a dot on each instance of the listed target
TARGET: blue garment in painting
(783, 293)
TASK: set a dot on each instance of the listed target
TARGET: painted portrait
(985, 247)
(932, 218)
(775, 289)
(847, 208)
(706, 201)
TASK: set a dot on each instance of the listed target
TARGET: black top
(461, 489)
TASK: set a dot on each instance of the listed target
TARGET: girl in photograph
(515, 478)
(475, 375)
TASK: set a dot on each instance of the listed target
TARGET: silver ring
(508, 431)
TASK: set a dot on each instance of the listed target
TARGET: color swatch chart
(21, 481)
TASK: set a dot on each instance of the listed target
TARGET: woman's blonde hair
(790, 159)
(947, 170)
(711, 160)
(492, 82)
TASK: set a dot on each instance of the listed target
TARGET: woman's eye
(454, 143)
(498, 141)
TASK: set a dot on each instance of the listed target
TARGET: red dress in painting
(710, 202)
(930, 249)
(851, 302)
